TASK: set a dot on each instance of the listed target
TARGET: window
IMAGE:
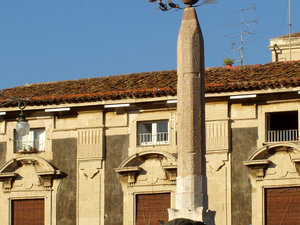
(34, 141)
(282, 204)
(150, 208)
(282, 126)
(28, 211)
(153, 133)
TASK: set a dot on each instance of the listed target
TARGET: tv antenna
(290, 28)
(243, 32)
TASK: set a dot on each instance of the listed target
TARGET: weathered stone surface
(116, 151)
(191, 181)
(182, 221)
(243, 144)
(65, 158)
(2, 153)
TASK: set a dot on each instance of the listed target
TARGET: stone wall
(116, 151)
(244, 142)
(65, 159)
(3, 150)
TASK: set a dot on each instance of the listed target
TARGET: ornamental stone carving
(27, 173)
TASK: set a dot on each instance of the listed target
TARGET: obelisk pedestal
(191, 193)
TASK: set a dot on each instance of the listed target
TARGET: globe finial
(189, 2)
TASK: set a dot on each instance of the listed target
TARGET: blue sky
(52, 40)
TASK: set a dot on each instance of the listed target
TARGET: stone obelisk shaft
(191, 178)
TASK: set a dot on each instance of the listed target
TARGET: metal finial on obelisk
(190, 2)
(166, 5)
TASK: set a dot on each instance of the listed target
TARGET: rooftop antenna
(242, 33)
(290, 28)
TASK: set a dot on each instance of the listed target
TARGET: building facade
(104, 150)
(284, 48)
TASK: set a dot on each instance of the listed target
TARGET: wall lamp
(22, 126)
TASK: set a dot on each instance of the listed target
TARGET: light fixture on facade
(57, 110)
(22, 126)
(172, 101)
(242, 96)
(116, 105)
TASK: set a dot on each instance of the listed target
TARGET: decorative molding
(258, 166)
(44, 170)
(148, 153)
(131, 172)
(271, 148)
(90, 173)
(217, 135)
(7, 179)
(216, 165)
(149, 167)
(90, 143)
(171, 172)
(296, 161)
(47, 177)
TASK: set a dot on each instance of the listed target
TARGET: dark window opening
(282, 126)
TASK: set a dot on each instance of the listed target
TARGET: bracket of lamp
(22, 126)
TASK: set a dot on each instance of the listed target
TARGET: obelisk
(191, 193)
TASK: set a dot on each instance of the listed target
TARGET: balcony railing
(160, 138)
(282, 135)
(29, 146)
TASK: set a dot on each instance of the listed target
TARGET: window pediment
(275, 161)
(139, 167)
(43, 169)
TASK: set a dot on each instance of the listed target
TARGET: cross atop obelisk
(191, 194)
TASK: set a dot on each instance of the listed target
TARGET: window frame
(153, 140)
(37, 144)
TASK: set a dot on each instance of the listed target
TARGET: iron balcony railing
(29, 146)
(282, 135)
(161, 138)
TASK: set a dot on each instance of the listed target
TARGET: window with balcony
(153, 133)
(33, 142)
(282, 126)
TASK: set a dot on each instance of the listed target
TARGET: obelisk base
(191, 200)
(197, 214)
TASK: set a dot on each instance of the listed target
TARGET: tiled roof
(163, 83)
(297, 34)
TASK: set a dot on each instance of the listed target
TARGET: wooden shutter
(282, 206)
(28, 212)
(152, 207)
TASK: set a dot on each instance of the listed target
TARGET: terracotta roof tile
(297, 34)
(163, 83)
